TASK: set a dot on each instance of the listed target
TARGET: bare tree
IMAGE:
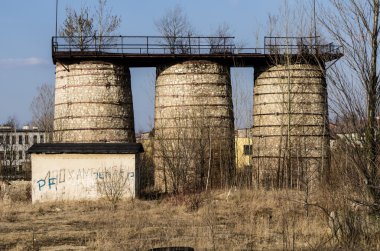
(182, 161)
(174, 26)
(293, 19)
(12, 122)
(355, 25)
(114, 185)
(42, 108)
(78, 28)
(190, 158)
(106, 23)
(221, 41)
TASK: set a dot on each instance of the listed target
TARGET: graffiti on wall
(54, 178)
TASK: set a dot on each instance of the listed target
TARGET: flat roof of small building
(86, 148)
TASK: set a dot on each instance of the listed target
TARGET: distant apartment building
(14, 143)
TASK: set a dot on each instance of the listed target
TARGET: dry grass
(222, 220)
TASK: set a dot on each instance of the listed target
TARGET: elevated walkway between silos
(153, 51)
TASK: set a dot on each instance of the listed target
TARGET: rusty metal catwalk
(153, 51)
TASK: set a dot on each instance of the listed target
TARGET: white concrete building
(84, 171)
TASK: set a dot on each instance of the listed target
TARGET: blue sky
(27, 26)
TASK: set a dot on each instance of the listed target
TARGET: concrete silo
(194, 126)
(93, 103)
(290, 132)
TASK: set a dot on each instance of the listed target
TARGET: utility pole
(315, 22)
(56, 18)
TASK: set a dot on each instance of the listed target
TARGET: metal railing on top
(144, 44)
(192, 45)
(299, 45)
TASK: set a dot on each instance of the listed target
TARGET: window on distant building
(26, 139)
(1, 139)
(7, 140)
(41, 138)
(1, 155)
(19, 154)
(247, 149)
(20, 139)
(13, 140)
(34, 139)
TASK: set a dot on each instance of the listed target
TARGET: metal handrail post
(95, 43)
(224, 46)
(52, 45)
(122, 44)
(147, 45)
(199, 45)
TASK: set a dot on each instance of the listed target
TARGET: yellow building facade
(243, 148)
(243, 156)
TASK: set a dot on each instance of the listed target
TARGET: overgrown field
(221, 220)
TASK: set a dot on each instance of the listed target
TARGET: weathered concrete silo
(290, 144)
(93, 103)
(194, 127)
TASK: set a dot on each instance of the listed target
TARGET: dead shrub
(194, 202)
(10, 216)
(20, 191)
(114, 186)
(354, 229)
(351, 224)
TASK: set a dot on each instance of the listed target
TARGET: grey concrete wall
(93, 103)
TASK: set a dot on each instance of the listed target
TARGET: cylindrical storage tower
(290, 132)
(194, 127)
(93, 103)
